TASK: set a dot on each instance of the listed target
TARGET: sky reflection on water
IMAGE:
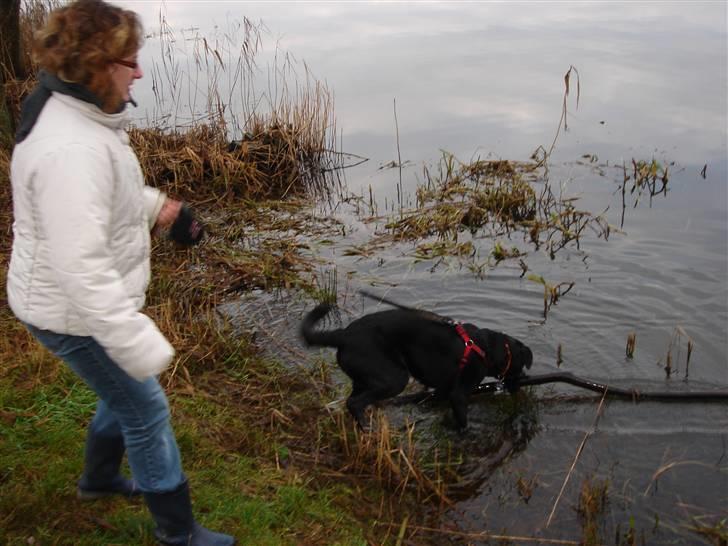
(488, 77)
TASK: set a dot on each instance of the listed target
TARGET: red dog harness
(471, 346)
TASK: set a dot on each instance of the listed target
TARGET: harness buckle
(469, 346)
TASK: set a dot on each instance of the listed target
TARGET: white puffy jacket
(80, 257)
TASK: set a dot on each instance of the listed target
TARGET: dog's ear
(522, 359)
(522, 356)
(526, 356)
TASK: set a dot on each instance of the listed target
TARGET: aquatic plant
(551, 292)
(458, 203)
(631, 343)
(674, 344)
(644, 177)
(593, 498)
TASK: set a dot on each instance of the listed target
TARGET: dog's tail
(427, 314)
(319, 338)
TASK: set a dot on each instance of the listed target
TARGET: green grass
(236, 487)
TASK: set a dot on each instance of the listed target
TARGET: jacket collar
(73, 94)
(93, 112)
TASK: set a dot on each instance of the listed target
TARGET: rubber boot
(101, 477)
(172, 512)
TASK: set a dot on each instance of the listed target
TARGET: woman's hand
(177, 221)
(167, 215)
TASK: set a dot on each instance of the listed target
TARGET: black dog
(380, 351)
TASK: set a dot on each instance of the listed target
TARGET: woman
(80, 267)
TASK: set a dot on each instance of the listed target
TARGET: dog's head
(506, 358)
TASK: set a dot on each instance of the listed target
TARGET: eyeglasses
(130, 64)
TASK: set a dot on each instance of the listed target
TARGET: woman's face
(123, 73)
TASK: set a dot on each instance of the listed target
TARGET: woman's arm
(74, 192)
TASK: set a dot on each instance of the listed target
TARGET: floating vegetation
(646, 176)
(485, 198)
(439, 249)
(500, 253)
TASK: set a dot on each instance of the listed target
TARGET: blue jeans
(129, 414)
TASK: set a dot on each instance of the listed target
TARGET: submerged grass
(590, 508)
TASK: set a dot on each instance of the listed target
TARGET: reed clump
(485, 198)
(200, 163)
(468, 196)
(391, 456)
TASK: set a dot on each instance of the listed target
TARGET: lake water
(487, 80)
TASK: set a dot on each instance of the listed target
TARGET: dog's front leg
(357, 405)
(459, 404)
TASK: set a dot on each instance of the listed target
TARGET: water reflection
(487, 76)
(501, 428)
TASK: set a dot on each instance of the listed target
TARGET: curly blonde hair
(80, 41)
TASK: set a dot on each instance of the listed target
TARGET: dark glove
(186, 230)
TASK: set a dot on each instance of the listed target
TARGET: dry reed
(576, 459)
(485, 198)
(391, 457)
